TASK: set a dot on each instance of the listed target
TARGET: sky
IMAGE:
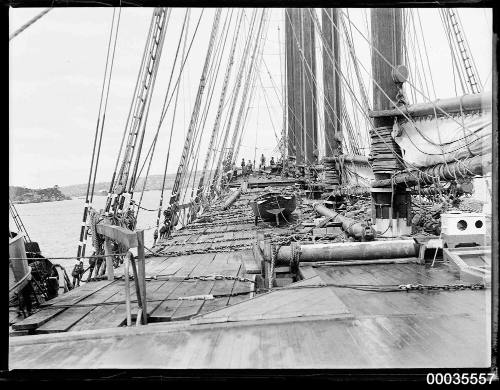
(56, 69)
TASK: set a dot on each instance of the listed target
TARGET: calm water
(56, 225)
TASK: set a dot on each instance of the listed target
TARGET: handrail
(129, 239)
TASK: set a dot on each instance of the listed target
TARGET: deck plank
(70, 298)
(72, 315)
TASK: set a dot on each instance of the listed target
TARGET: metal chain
(413, 287)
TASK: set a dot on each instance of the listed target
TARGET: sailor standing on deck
(249, 167)
(243, 167)
(262, 162)
(166, 223)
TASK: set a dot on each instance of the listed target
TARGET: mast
(309, 90)
(331, 95)
(391, 204)
(331, 82)
(293, 17)
(289, 64)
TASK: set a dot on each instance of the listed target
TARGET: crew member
(272, 161)
(243, 167)
(166, 223)
(262, 162)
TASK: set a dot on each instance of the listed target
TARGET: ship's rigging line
(210, 155)
(361, 85)
(174, 198)
(133, 180)
(349, 87)
(188, 12)
(252, 77)
(245, 55)
(311, 73)
(122, 188)
(99, 129)
(176, 87)
(151, 150)
(428, 100)
(150, 165)
(248, 88)
(195, 142)
(378, 86)
(212, 79)
(29, 23)
(214, 76)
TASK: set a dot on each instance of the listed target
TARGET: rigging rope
(29, 23)
(98, 134)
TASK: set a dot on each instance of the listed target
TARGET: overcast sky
(57, 66)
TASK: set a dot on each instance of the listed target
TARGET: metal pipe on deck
(357, 229)
(234, 196)
(345, 251)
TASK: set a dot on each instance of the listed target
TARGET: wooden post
(108, 250)
(141, 274)
(127, 290)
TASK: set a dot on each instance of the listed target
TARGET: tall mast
(390, 205)
(293, 17)
(289, 65)
(309, 86)
(331, 82)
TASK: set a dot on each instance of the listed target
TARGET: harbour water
(56, 225)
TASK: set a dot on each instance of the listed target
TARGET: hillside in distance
(154, 183)
(28, 195)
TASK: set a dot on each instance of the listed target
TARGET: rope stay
(246, 54)
(119, 198)
(256, 54)
(218, 117)
(175, 195)
(98, 134)
(29, 23)
(212, 80)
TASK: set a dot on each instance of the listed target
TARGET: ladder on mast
(139, 109)
(463, 48)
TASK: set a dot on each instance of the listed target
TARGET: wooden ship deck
(312, 321)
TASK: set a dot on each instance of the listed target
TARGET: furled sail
(444, 138)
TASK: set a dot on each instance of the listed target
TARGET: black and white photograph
(222, 188)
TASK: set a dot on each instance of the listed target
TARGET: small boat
(273, 205)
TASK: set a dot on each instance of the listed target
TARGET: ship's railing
(128, 239)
